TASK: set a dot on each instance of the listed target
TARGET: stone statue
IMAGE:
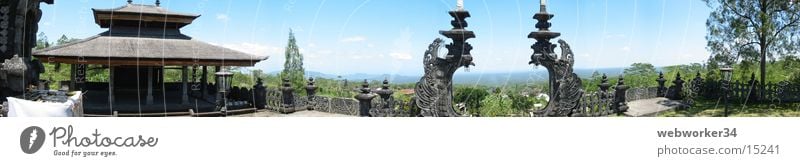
(18, 27)
(434, 91)
(566, 88)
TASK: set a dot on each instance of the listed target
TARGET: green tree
(641, 75)
(41, 41)
(496, 104)
(471, 96)
(293, 66)
(520, 102)
(64, 40)
(752, 30)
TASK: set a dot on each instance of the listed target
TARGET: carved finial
(385, 83)
(543, 6)
(460, 5)
(158, 3)
(130, 1)
(365, 87)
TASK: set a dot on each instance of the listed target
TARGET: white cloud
(626, 49)
(402, 46)
(257, 49)
(353, 39)
(400, 56)
(223, 17)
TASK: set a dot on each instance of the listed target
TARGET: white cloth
(25, 108)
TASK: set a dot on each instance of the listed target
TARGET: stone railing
(744, 92)
(344, 106)
(634, 94)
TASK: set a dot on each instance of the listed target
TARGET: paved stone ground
(651, 107)
(639, 108)
(295, 114)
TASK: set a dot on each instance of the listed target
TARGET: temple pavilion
(142, 43)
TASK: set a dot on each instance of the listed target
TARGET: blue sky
(390, 36)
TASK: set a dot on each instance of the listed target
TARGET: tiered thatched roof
(142, 36)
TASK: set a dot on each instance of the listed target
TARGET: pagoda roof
(146, 47)
(143, 13)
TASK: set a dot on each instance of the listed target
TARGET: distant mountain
(461, 77)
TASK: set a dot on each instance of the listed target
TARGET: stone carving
(604, 85)
(3, 110)
(675, 92)
(365, 100)
(434, 91)
(662, 90)
(288, 97)
(311, 90)
(386, 95)
(620, 104)
(566, 88)
(18, 27)
(4, 28)
(260, 94)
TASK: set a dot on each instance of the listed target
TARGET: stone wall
(344, 106)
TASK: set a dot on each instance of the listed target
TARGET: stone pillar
(386, 95)
(311, 90)
(676, 91)
(364, 100)
(604, 85)
(697, 85)
(260, 94)
(288, 97)
(662, 90)
(620, 104)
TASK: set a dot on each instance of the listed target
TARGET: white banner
(399, 141)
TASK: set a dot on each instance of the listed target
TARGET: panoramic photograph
(400, 82)
(386, 58)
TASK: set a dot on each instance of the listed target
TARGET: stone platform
(295, 114)
(651, 107)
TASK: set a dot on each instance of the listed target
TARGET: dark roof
(153, 44)
(144, 9)
(139, 15)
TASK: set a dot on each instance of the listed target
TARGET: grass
(711, 108)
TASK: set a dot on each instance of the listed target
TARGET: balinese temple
(142, 43)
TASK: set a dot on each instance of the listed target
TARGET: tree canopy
(750, 31)
(293, 66)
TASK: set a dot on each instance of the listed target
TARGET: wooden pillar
(149, 98)
(111, 97)
(204, 82)
(184, 83)
(72, 69)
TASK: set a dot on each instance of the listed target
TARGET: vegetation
(471, 96)
(293, 67)
(746, 32)
(715, 108)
